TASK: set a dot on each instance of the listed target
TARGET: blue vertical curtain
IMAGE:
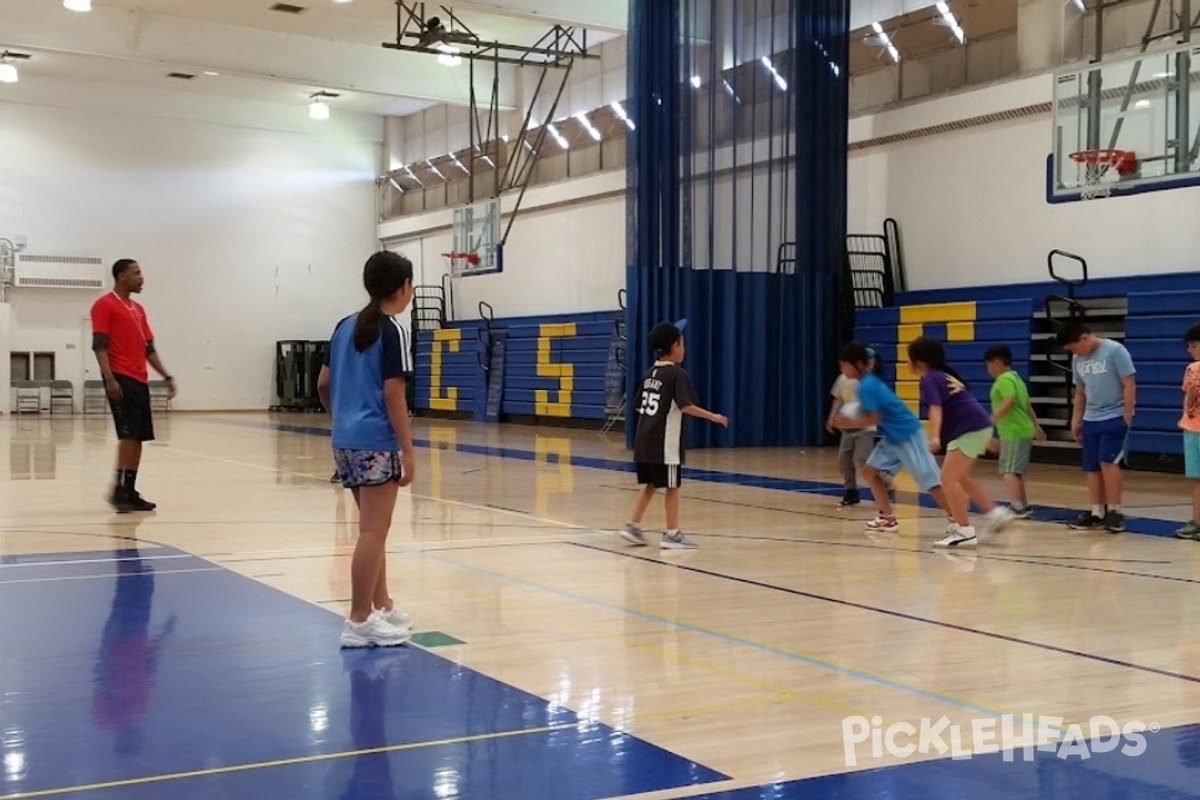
(737, 206)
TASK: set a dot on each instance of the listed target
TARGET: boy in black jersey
(666, 394)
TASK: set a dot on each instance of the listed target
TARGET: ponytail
(366, 330)
(932, 354)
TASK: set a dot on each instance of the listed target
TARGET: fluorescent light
(212, 73)
(459, 164)
(619, 110)
(886, 41)
(436, 171)
(558, 137)
(318, 109)
(587, 124)
(9, 74)
(1079, 5)
(1142, 104)
(779, 81)
(449, 56)
(696, 81)
(77, 5)
(951, 22)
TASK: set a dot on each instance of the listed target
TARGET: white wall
(972, 203)
(565, 254)
(250, 221)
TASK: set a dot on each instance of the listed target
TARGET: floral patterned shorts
(358, 468)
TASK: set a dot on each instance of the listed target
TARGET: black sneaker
(120, 500)
(1087, 521)
(140, 503)
(1114, 522)
(850, 498)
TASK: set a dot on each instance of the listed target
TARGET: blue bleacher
(555, 366)
(1154, 331)
(1160, 309)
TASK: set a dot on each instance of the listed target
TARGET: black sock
(129, 479)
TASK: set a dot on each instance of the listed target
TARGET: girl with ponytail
(961, 422)
(362, 385)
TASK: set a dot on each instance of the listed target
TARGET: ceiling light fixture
(318, 108)
(8, 70)
(77, 5)
(449, 56)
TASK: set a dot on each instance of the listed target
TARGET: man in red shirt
(124, 343)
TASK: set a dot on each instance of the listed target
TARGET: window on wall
(43, 366)
(20, 366)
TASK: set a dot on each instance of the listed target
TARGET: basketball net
(460, 263)
(1096, 180)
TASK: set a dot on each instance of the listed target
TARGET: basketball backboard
(477, 231)
(1145, 108)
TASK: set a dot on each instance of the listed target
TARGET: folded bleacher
(554, 366)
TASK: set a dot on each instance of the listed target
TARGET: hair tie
(870, 352)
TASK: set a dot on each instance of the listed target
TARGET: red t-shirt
(128, 332)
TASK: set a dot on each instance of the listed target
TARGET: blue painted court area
(151, 673)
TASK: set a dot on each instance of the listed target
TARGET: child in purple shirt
(959, 421)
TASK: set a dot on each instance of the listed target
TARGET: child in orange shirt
(1190, 423)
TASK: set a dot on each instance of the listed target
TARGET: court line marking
(156, 573)
(95, 560)
(892, 613)
(287, 762)
(990, 555)
(880, 680)
(727, 637)
(600, 463)
(762, 647)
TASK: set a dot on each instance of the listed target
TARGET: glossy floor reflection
(201, 683)
(193, 652)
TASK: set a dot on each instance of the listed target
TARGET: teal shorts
(1191, 454)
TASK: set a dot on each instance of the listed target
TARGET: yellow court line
(287, 762)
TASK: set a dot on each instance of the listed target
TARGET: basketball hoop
(1099, 169)
(461, 262)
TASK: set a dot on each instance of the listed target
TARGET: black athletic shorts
(131, 413)
(660, 476)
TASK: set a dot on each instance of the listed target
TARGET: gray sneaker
(633, 533)
(676, 541)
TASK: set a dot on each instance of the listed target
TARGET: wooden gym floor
(193, 652)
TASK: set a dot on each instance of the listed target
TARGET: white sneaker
(957, 537)
(396, 617)
(883, 523)
(374, 632)
(998, 519)
(676, 541)
(632, 533)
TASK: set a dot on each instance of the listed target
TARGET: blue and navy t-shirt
(360, 415)
(896, 423)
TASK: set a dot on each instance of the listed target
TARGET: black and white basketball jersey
(666, 390)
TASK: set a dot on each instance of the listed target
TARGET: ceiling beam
(611, 16)
(307, 62)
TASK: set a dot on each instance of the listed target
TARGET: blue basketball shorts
(1104, 442)
(912, 455)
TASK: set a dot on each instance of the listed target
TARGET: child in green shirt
(1016, 425)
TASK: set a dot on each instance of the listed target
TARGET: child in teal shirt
(1016, 425)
